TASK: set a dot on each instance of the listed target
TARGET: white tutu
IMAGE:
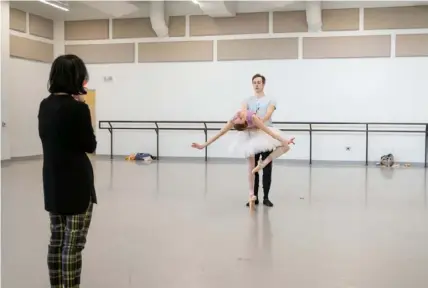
(251, 142)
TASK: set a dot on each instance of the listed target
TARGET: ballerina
(253, 137)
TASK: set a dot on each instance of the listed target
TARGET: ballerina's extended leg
(272, 156)
(252, 198)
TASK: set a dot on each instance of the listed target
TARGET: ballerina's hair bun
(241, 127)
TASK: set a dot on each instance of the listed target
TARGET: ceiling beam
(314, 16)
(159, 19)
(115, 9)
(280, 4)
(218, 8)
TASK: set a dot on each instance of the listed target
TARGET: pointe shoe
(252, 201)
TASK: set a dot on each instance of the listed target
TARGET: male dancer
(264, 107)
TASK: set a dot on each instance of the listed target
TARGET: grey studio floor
(183, 224)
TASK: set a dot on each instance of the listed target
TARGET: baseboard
(225, 160)
(294, 162)
(22, 158)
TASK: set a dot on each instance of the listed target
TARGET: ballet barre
(310, 127)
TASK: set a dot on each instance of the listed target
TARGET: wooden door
(90, 101)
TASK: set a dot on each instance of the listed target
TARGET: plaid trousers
(68, 238)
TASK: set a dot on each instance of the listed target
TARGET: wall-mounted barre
(112, 125)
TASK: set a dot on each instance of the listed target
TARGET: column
(4, 63)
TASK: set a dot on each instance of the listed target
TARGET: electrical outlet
(348, 148)
(108, 78)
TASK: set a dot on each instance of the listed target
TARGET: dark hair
(68, 74)
(259, 76)
(240, 127)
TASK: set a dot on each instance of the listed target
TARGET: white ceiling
(84, 10)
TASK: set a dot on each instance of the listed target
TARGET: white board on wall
(339, 90)
(306, 90)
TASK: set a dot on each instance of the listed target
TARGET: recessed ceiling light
(56, 4)
(196, 2)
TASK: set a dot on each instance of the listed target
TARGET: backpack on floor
(387, 160)
(144, 156)
(141, 157)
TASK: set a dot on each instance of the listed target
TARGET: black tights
(267, 176)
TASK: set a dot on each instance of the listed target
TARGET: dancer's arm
(259, 124)
(270, 110)
(244, 109)
(223, 131)
(269, 113)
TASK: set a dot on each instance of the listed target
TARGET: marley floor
(177, 224)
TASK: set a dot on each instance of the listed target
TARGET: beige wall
(33, 37)
(253, 36)
(256, 37)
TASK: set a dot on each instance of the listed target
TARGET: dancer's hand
(291, 141)
(198, 146)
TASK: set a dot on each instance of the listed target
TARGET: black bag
(387, 160)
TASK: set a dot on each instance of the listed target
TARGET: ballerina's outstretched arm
(223, 131)
(259, 124)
